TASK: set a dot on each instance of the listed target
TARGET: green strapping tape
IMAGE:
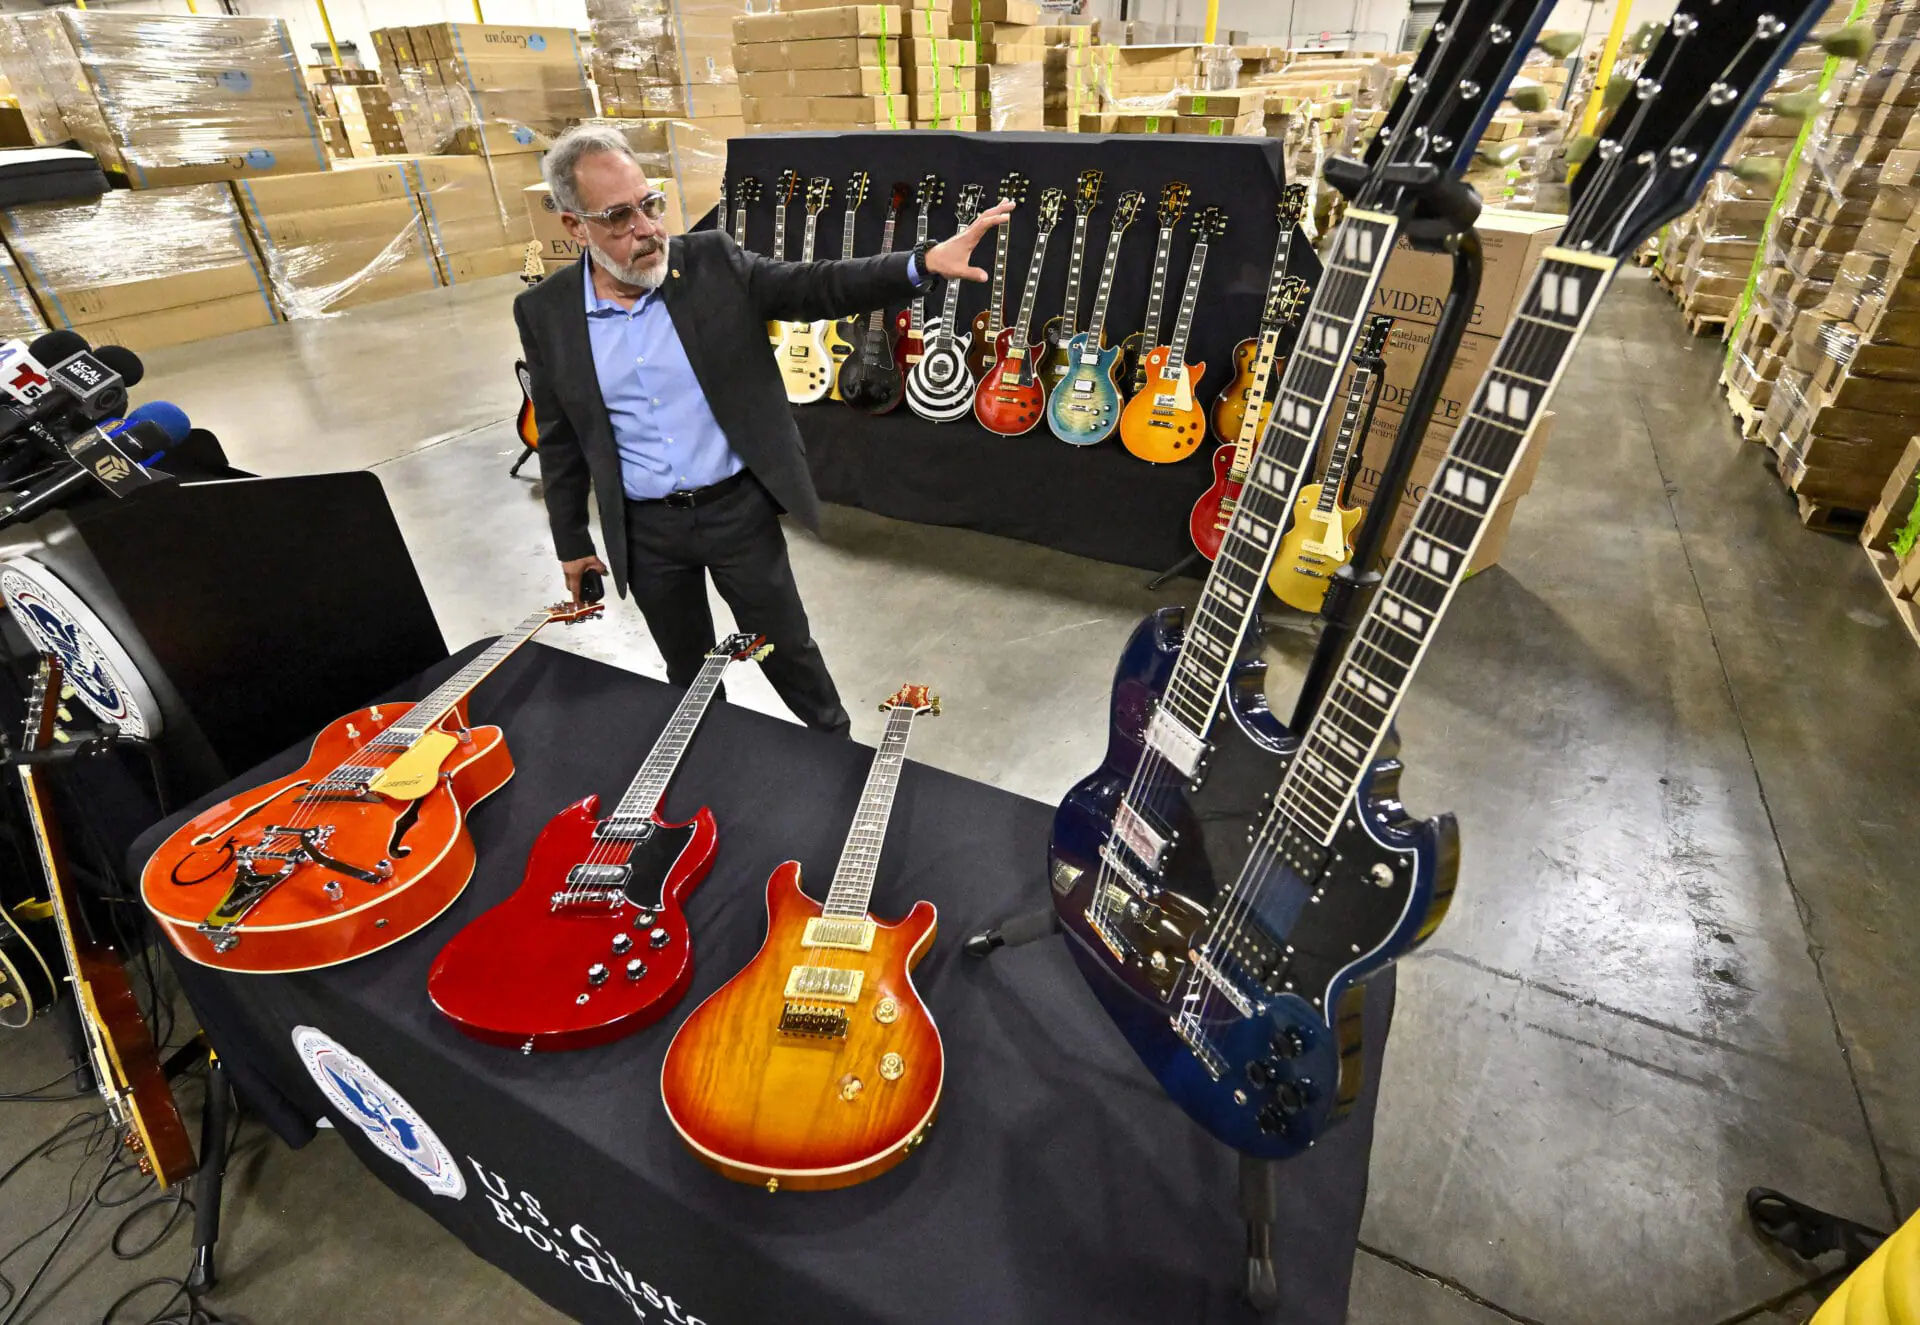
(886, 86)
(1153, 124)
(976, 22)
(1909, 532)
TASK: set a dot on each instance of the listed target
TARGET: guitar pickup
(835, 984)
(1139, 837)
(838, 932)
(598, 877)
(1083, 388)
(1169, 738)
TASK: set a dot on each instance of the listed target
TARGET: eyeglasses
(625, 217)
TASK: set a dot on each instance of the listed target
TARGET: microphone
(172, 419)
(109, 458)
(23, 375)
(92, 385)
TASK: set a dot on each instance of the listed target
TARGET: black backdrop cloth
(1057, 1184)
(1095, 501)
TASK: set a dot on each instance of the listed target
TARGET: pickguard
(652, 860)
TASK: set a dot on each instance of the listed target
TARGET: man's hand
(573, 570)
(954, 258)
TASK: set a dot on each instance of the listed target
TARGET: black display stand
(1096, 501)
(1058, 1183)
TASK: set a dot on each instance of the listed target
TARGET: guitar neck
(1070, 307)
(996, 301)
(1156, 293)
(1345, 735)
(423, 716)
(1226, 606)
(878, 317)
(1343, 440)
(917, 310)
(1183, 325)
(740, 226)
(1097, 324)
(949, 312)
(852, 889)
(1256, 391)
(1282, 252)
(780, 233)
(1034, 267)
(806, 242)
(643, 794)
(846, 240)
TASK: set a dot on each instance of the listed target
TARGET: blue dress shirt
(663, 428)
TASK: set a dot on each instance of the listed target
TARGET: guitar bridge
(813, 1021)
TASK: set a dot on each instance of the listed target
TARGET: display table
(1057, 1184)
(1096, 501)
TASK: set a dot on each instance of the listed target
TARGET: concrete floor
(1676, 728)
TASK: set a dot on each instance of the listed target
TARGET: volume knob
(596, 974)
(659, 938)
(636, 968)
(621, 942)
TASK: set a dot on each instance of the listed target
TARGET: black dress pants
(738, 540)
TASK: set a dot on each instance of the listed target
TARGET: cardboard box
(543, 219)
(373, 182)
(879, 21)
(820, 83)
(145, 332)
(834, 53)
(1023, 12)
(495, 139)
(1220, 126)
(1414, 286)
(1232, 104)
(479, 264)
(1890, 514)
(1114, 122)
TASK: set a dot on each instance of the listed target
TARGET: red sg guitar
(361, 846)
(594, 935)
(1011, 397)
(909, 324)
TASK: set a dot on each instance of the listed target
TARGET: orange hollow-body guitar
(818, 1066)
(360, 847)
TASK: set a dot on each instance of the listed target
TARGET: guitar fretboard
(996, 300)
(780, 233)
(1035, 265)
(806, 243)
(1357, 389)
(846, 239)
(643, 795)
(422, 716)
(918, 308)
(740, 226)
(877, 318)
(1256, 392)
(1156, 292)
(1183, 325)
(1465, 491)
(852, 889)
(1225, 609)
(1097, 324)
(1076, 262)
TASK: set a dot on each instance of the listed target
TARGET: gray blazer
(721, 299)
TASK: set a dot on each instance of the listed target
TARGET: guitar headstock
(533, 268)
(1086, 191)
(748, 192)
(1373, 340)
(1456, 82)
(1664, 141)
(43, 706)
(1014, 185)
(1053, 204)
(1209, 223)
(1126, 208)
(918, 698)
(931, 190)
(901, 192)
(1292, 206)
(788, 188)
(567, 614)
(819, 189)
(1286, 301)
(968, 208)
(1173, 204)
(742, 647)
(857, 185)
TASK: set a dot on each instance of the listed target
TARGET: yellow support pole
(1609, 51)
(327, 23)
(478, 17)
(1213, 21)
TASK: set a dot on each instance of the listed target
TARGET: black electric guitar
(843, 334)
(1256, 1035)
(870, 379)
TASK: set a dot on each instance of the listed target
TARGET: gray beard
(647, 277)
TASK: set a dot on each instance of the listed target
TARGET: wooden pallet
(1822, 519)
(1884, 567)
(1744, 412)
(1708, 324)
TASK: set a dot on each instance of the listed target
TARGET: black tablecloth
(1095, 501)
(1058, 1185)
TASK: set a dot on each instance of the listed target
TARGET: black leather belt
(697, 496)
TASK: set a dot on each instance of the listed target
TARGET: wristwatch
(920, 252)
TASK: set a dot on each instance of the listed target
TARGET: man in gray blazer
(654, 386)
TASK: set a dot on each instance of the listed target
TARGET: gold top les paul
(1320, 541)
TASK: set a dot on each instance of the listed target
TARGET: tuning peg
(1532, 98)
(1643, 39)
(1560, 44)
(1853, 42)
(1580, 148)
(1797, 105)
(1756, 170)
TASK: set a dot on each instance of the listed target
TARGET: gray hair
(563, 158)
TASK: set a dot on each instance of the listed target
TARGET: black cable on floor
(33, 1095)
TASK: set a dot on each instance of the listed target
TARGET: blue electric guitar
(1084, 407)
(1257, 1033)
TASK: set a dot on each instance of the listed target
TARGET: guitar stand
(209, 1179)
(526, 453)
(1180, 567)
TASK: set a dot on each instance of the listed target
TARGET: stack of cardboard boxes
(476, 88)
(166, 99)
(470, 231)
(144, 268)
(665, 58)
(334, 240)
(20, 317)
(1149, 89)
(1891, 536)
(362, 121)
(1413, 291)
(996, 78)
(833, 67)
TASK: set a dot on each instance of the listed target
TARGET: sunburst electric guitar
(939, 387)
(983, 345)
(1320, 541)
(1211, 514)
(1060, 331)
(818, 1065)
(594, 938)
(843, 335)
(119, 1048)
(361, 846)
(910, 323)
(1011, 398)
(1255, 358)
(1164, 422)
(1133, 350)
(801, 350)
(1084, 406)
